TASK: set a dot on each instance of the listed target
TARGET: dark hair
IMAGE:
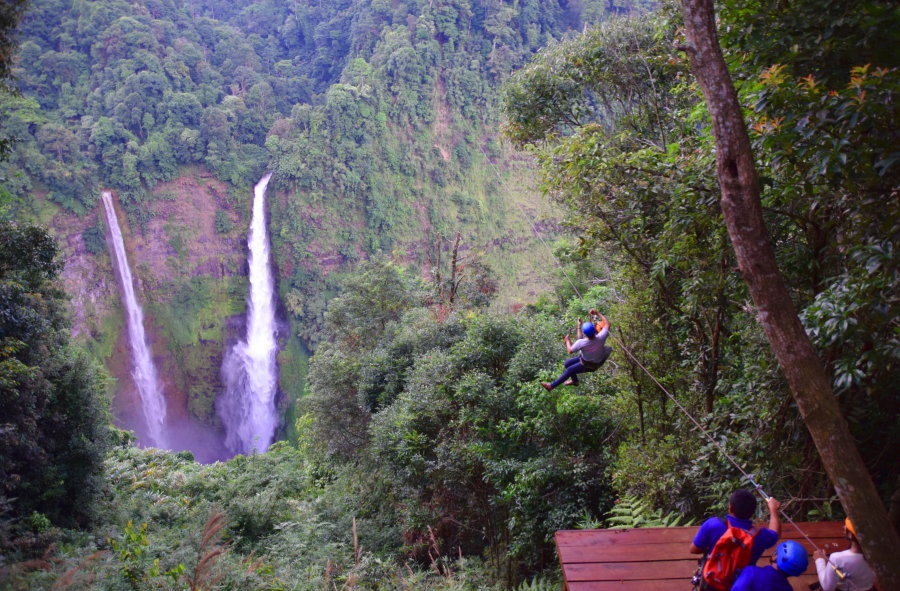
(743, 503)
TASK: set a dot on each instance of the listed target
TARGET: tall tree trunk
(803, 369)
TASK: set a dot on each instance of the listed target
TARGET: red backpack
(729, 555)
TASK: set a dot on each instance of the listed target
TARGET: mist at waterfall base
(249, 368)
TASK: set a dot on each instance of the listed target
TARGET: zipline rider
(591, 344)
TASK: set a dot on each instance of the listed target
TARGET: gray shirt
(592, 349)
(859, 575)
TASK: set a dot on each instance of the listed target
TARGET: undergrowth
(259, 522)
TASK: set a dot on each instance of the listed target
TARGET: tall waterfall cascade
(249, 368)
(144, 371)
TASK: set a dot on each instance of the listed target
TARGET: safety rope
(758, 488)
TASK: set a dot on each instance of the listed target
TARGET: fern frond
(540, 583)
(632, 512)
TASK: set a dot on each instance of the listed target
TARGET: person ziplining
(592, 349)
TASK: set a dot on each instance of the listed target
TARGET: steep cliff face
(181, 238)
(193, 279)
(89, 280)
(188, 260)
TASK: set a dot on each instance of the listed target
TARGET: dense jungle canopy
(418, 449)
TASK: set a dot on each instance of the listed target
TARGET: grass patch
(198, 308)
(200, 366)
(102, 332)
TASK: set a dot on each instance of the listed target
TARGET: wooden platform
(657, 559)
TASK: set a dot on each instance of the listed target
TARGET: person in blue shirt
(790, 560)
(741, 508)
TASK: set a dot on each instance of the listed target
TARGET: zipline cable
(748, 476)
(758, 488)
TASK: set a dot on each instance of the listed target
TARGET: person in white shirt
(857, 575)
(592, 349)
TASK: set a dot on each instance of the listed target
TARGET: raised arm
(774, 519)
(604, 323)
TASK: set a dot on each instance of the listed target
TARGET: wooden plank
(833, 539)
(829, 544)
(650, 535)
(814, 529)
(670, 585)
(801, 583)
(626, 553)
(630, 571)
(655, 535)
(667, 551)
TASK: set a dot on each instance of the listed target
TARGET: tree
(54, 425)
(803, 369)
(10, 13)
(445, 411)
(607, 113)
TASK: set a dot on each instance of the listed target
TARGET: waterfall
(144, 372)
(249, 369)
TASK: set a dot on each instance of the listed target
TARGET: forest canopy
(423, 452)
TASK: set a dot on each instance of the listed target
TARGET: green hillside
(380, 121)
(417, 150)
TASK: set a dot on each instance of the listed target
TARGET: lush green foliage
(426, 455)
(823, 119)
(54, 422)
(448, 415)
(261, 522)
(53, 430)
(625, 144)
(824, 39)
(379, 122)
(10, 14)
(375, 118)
(631, 512)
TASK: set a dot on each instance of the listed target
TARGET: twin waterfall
(143, 370)
(249, 370)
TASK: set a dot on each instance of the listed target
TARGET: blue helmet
(589, 329)
(791, 559)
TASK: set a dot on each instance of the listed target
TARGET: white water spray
(249, 369)
(144, 372)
